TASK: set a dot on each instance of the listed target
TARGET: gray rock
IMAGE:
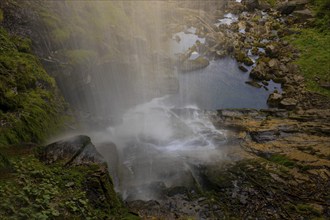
(260, 72)
(272, 50)
(283, 68)
(254, 84)
(289, 103)
(274, 99)
(243, 68)
(273, 64)
(77, 150)
(303, 15)
(290, 6)
(264, 136)
(251, 4)
(325, 85)
(191, 65)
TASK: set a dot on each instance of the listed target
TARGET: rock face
(74, 151)
(78, 151)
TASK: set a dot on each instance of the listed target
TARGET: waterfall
(121, 77)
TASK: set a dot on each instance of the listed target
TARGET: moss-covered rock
(74, 185)
(34, 190)
(30, 104)
(243, 58)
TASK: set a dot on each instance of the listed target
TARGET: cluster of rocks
(255, 39)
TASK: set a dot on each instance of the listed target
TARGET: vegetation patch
(38, 191)
(313, 43)
(314, 60)
(282, 160)
(30, 104)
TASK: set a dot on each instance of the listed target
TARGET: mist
(121, 75)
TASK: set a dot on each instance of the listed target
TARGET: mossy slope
(30, 105)
(33, 190)
(313, 43)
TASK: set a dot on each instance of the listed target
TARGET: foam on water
(159, 144)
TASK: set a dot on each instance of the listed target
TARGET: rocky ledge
(280, 170)
(79, 151)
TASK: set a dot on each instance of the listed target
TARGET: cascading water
(159, 146)
(161, 134)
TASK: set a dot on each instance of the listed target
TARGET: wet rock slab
(73, 151)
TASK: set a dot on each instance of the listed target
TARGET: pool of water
(220, 85)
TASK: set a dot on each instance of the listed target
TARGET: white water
(228, 19)
(159, 145)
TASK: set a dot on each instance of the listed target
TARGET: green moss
(314, 60)
(6, 45)
(270, 2)
(30, 107)
(322, 11)
(38, 191)
(4, 163)
(308, 210)
(22, 44)
(282, 160)
(80, 57)
(256, 18)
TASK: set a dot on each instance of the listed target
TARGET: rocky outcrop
(79, 151)
(288, 7)
(74, 151)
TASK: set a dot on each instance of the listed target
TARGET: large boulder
(77, 150)
(290, 6)
(272, 50)
(303, 15)
(191, 65)
(274, 99)
(289, 103)
(251, 4)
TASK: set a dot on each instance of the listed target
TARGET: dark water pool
(220, 85)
